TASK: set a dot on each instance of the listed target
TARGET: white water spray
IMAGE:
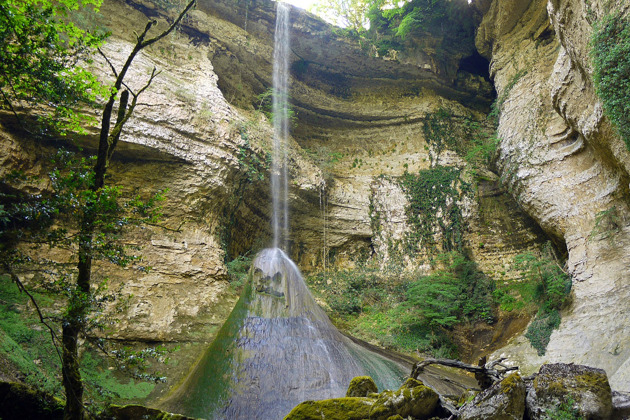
(279, 175)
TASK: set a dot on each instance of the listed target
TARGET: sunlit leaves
(40, 48)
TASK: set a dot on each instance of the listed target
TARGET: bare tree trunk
(79, 303)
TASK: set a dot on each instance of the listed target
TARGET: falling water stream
(278, 347)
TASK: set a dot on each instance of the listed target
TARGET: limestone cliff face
(566, 167)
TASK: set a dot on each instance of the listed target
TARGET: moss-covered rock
(348, 408)
(413, 399)
(504, 400)
(361, 386)
(137, 412)
(581, 390)
(18, 401)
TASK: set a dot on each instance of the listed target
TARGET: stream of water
(279, 171)
(277, 347)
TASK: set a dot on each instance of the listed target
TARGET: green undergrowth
(542, 291)
(407, 311)
(25, 343)
(410, 311)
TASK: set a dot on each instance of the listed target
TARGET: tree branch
(173, 25)
(486, 374)
(111, 66)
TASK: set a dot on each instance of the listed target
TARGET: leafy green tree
(46, 47)
(39, 51)
(345, 13)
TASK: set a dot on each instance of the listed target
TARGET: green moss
(361, 386)
(348, 408)
(610, 49)
(510, 383)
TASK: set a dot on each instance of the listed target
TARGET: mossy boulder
(348, 408)
(505, 400)
(18, 401)
(137, 412)
(361, 386)
(584, 391)
(412, 399)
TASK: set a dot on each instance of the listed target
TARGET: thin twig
(42, 319)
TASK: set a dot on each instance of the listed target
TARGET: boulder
(580, 391)
(412, 399)
(19, 401)
(361, 386)
(349, 408)
(504, 400)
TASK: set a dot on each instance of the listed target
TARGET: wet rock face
(584, 390)
(567, 170)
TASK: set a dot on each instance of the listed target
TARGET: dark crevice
(475, 64)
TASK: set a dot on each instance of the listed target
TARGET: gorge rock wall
(566, 167)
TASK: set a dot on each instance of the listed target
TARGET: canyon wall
(567, 168)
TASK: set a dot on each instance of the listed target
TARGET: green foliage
(553, 285)
(353, 290)
(610, 52)
(539, 331)
(549, 289)
(26, 344)
(407, 311)
(238, 270)
(39, 51)
(53, 219)
(351, 14)
(481, 145)
(566, 410)
(265, 105)
(249, 159)
(433, 195)
(606, 223)
(23, 341)
(459, 292)
(106, 387)
(439, 132)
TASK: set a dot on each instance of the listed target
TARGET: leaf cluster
(458, 292)
(433, 195)
(40, 52)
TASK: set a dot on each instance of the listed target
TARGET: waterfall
(278, 347)
(279, 173)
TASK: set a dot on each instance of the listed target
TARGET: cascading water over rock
(277, 349)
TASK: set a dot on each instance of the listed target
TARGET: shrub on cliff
(610, 49)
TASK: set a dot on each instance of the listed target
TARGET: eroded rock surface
(565, 166)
